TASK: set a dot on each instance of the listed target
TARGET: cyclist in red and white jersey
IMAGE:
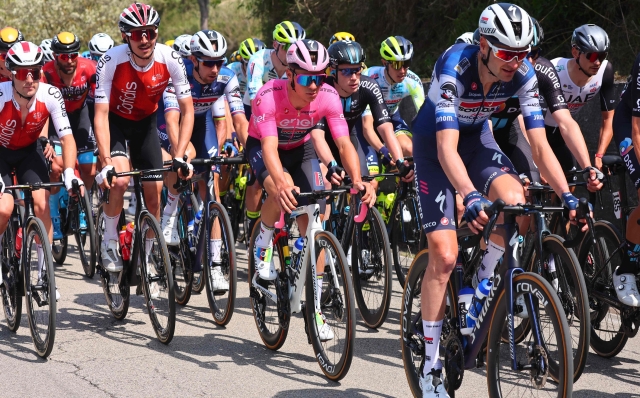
(130, 81)
(25, 107)
(8, 37)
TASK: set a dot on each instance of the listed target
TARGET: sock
(631, 266)
(54, 204)
(40, 259)
(490, 260)
(265, 236)
(551, 263)
(432, 330)
(216, 248)
(111, 227)
(252, 216)
(148, 245)
(171, 208)
(319, 278)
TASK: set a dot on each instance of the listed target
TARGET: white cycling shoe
(520, 309)
(264, 266)
(432, 385)
(219, 283)
(111, 260)
(324, 330)
(169, 230)
(626, 289)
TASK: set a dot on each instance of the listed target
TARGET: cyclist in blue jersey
(455, 151)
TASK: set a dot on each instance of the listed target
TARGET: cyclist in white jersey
(584, 77)
(238, 64)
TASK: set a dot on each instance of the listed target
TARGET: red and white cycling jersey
(82, 84)
(47, 102)
(133, 92)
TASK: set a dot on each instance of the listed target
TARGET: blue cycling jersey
(456, 97)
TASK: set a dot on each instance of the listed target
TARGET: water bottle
(128, 238)
(295, 255)
(464, 303)
(483, 289)
(18, 242)
(124, 250)
(346, 210)
(196, 222)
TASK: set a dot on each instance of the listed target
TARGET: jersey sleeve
(528, 95)
(447, 88)
(416, 90)
(170, 100)
(178, 74)
(375, 102)
(255, 70)
(333, 114)
(608, 99)
(55, 106)
(263, 116)
(218, 108)
(549, 85)
(104, 78)
(233, 96)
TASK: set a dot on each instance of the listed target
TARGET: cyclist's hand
(68, 177)
(474, 205)
(286, 200)
(179, 165)
(368, 193)
(594, 178)
(598, 163)
(386, 156)
(101, 177)
(571, 202)
(405, 169)
(335, 173)
(49, 152)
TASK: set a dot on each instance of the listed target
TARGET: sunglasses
(136, 35)
(23, 74)
(348, 72)
(210, 64)
(67, 57)
(535, 53)
(592, 57)
(397, 65)
(306, 80)
(508, 55)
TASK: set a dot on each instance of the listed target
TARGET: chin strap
(18, 92)
(485, 62)
(580, 67)
(386, 70)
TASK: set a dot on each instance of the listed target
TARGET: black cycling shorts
(513, 143)
(144, 147)
(82, 129)
(560, 148)
(29, 163)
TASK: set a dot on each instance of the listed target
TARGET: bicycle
(536, 360)
(274, 302)
(22, 274)
(149, 264)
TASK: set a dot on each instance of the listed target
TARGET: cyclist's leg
(6, 199)
(85, 142)
(252, 201)
(120, 161)
(403, 134)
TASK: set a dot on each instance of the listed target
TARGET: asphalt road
(97, 356)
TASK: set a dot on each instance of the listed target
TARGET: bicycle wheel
(371, 257)
(39, 287)
(335, 355)
(11, 290)
(59, 250)
(86, 237)
(572, 292)
(599, 261)
(181, 256)
(406, 236)
(550, 358)
(197, 283)
(157, 278)
(116, 294)
(265, 310)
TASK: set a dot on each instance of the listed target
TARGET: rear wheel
(406, 235)
(86, 237)
(181, 256)
(11, 290)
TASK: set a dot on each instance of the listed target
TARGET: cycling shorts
(436, 196)
(144, 147)
(247, 112)
(300, 162)
(399, 125)
(367, 156)
(82, 130)
(29, 163)
(512, 142)
(560, 148)
(622, 135)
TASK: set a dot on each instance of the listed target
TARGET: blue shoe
(83, 221)
(57, 232)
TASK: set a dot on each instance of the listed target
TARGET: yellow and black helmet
(235, 57)
(288, 32)
(341, 36)
(250, 47)
(8, 37)
(65, 43)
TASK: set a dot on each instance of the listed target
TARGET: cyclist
(341, 36)
(584, 77)
(396, 81)
(181, 45)
(238, 63)
(75, 77)
(456, 152)
(8, 37)
(25, 107)
(99, 44)
(130, 81)
(282, 155)
(466, 38)
(263, 66)
(45, 46)
(626, 130)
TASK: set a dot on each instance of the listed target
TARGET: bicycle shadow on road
(18, 346)
(327, 393)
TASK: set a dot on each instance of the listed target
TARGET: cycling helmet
(249, 47)
(476, 37)
(169, 43)
(138, 15)
(396, 48)
(341, 36)
(309, 55)
(65, 43)
(288, 32)
(182, 45)
(24, 54)
(235, 57)
(45, 46)
(208, 43)
(506, 24)
(590, 38)
(345, 52)
(100, 43)
(466, 38)
(538, 33)
(86, 54)
(9, 36)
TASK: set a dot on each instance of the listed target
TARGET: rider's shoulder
(375, 72)
(6, 90)
(413, 79)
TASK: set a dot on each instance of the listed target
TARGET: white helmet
(24, 53)
(182, 45)
(506, 24)
(100, 43)
(466, 38)
(45, 46)
(208, 43)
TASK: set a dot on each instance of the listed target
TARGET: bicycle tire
(157, 278)
(181, 256)
(59, 250)
(339, 307)
(272, 334)
(608, 239)
(197, 284)
(88, 260)
(40, 288)
(406, 237)
(560, 365)
(221, 307)
(372, 290)
(11, 290)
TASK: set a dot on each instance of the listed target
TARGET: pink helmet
(309, 55)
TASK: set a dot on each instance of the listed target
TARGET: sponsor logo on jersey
(626, 146)
(462, 66)
(505, 169)
(449, 91)
(474, 86)
(444, 221)
(224, 78)
(318, 179)
(548, 71)
(127, 98)
(6, 131)
(523, 69)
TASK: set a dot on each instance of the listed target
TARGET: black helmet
(346, 52)
(8, 37)
(590, 38)
(476, 37)
(538, 33)
(65, 43)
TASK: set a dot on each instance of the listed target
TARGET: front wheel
(85, 235)
(332, 330)
(59, 250)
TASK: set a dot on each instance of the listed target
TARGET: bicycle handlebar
(219, 160)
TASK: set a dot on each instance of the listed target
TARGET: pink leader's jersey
(274, 116)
